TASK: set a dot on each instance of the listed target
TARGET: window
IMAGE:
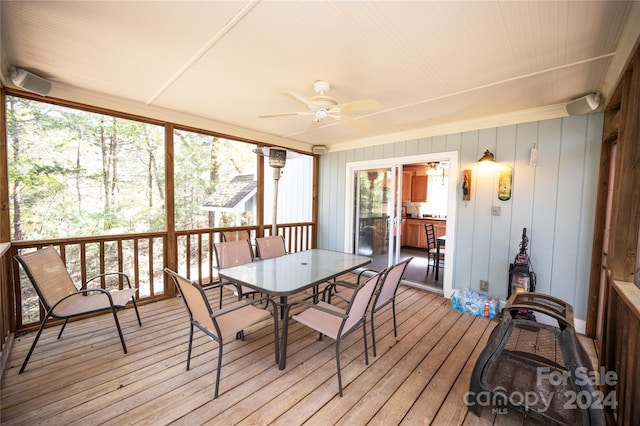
(79, 173)
(215, 181)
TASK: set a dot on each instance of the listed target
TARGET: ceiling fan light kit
(321, 106)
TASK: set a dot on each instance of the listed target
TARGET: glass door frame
(396, 165)
(393, 249)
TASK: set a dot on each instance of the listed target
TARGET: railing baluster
(151, 290)
(120, 263)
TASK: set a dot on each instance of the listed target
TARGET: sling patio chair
(238, 235)
(228, 236)
(222, 325)
(385, 294)
(233, 253)
(270, 247)
(61, 299)
(337, 323)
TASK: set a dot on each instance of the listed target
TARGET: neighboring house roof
(229, 194)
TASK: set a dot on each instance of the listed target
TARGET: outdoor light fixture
(488, 156)
(277, 160)
(533, 155)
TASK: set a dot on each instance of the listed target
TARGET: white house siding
(555, 201)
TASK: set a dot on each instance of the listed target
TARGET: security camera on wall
(584, 105)
(30, 82)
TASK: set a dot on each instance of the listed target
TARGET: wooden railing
(621, 353)
(196, 259)
(6, 300)
(142, 257)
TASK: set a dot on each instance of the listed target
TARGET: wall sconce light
(487, 157)
(277, 160)
(533, 155)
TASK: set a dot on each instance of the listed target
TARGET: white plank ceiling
(221, 64)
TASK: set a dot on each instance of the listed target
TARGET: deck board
(420, 377)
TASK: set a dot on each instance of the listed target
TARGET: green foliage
(78, 173)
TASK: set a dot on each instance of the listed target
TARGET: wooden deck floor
(85, 379)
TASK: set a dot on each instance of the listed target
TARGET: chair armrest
(332, 284)
(86, 290)
(364, 271)
(344, 284)
(318, 307)
(126, 277)
(216, 285)
(243, 305)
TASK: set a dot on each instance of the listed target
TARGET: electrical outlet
(484, 285)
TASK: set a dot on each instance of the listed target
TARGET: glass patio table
(293, 273)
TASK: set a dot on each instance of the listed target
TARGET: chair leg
(393, 310)
(428, 263)
(33, 345)
(218, 369)
(366, 349)
(115, 317)
(190, 344)
(63, 326)
(135, 306)
(220, 302)
(338, 365)
(373, 334)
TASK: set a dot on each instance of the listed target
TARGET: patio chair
(270, 247)
(223, 325)
(384, 295)
(233, 253)
(228, 236)
(61, 299)
(337, 323)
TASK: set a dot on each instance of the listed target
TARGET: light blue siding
(555, 201)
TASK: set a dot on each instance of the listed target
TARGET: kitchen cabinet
(419, 189)
(411, 235)
(406, 185)
(414, 235)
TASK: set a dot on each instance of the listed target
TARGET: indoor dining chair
(61, 299)
(337, 323)
(233, 253)
(222, 325)
(384, 295)
(432, 252)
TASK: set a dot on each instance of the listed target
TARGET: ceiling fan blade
(349, 121)
(302, 99)
(283, 114)
(357, 106)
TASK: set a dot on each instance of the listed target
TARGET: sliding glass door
(375, 215)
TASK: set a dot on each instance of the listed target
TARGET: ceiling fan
(321, 107)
